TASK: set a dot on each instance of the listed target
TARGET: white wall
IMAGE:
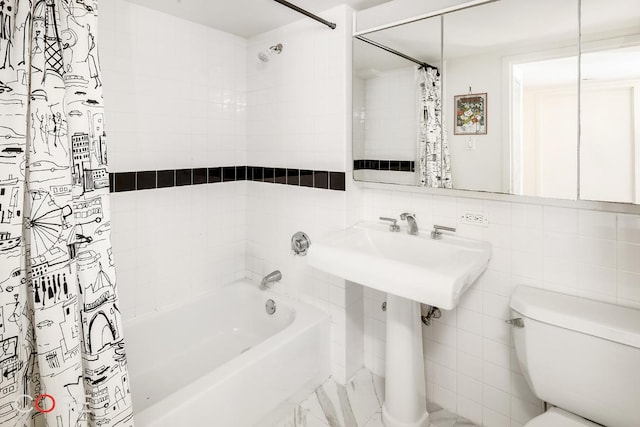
(391, 115)
(608, 112)
(175, 90)
(299, 116)
(550, 141)
(385, 122)
(480, 168)
(359, 118)
(175, 96)
(470, 362)
(296, 108)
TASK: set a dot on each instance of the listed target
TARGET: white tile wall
(175, 91)
(299, 117)
(297, 109)
(358, 111)
(470, 361)
(175, 96)
(274, 214)
(391, 115)
(175, 242)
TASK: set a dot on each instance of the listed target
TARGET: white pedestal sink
(411, 269)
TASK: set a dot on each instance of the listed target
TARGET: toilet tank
(580, 355)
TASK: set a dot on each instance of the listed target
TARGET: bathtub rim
(192, 298)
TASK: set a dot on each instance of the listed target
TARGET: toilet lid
(556, 417)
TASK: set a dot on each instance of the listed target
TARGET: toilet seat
(556, 417)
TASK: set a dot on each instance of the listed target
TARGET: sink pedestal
(405, 391)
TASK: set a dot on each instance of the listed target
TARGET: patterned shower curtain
(62, 360)
(433, 149)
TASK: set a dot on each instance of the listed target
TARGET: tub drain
(270, 306)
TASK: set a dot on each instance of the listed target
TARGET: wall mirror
(516, 117)
(528, 69)
(610, 101)
(396, 72)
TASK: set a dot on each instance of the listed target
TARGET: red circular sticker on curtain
(43, 396)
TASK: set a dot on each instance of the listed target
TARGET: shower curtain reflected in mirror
(62, 353)
(433, 150)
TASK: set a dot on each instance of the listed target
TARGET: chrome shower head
(265, 56)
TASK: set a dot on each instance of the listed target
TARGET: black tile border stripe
(165, 178)
(184, 177)
(148, 180)
(385, 165)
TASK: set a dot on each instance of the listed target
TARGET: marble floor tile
(357, 404)
(378, 387)
(375, 420)
(312, 422)
(443, 418)
(362, 397)
(312, 412)
(346, 406)
(338, 402)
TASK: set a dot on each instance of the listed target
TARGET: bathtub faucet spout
(274, 276)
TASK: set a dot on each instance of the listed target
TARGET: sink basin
(416, 267)
(411, 270)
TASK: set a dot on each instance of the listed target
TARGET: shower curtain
(62, 359)
(433, 150)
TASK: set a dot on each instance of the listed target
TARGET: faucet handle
(394, 226)
(436, 233)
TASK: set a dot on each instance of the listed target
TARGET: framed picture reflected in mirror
(471, 114)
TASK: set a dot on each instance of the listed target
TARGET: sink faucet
(274, 276)
(411, 220)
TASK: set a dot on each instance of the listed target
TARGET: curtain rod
(307, 13)
(395, 52)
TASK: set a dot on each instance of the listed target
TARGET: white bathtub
(221, 360)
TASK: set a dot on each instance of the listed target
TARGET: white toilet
(579, 355)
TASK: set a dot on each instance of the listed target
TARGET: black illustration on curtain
(60, 327)
(433, 149)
